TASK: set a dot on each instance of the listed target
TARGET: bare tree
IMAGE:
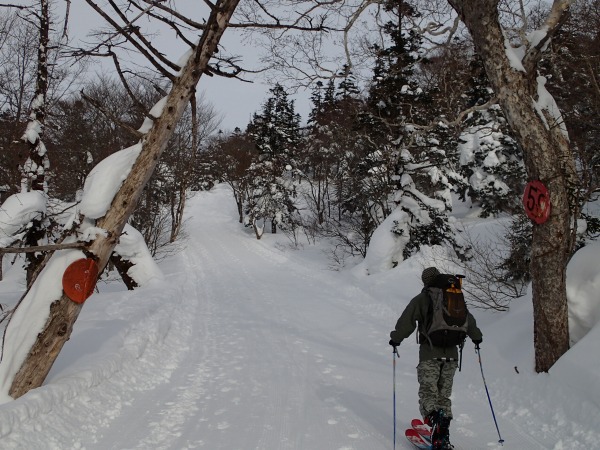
(63, 311)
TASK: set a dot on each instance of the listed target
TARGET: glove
(393, 343)
(477, 342)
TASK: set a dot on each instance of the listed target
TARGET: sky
(235, 100)
(246, 344)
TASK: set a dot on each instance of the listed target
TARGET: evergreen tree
(347, 87)
(395, 95)
(319, 150)
(276, 134)
(400, 115)
(490, 158)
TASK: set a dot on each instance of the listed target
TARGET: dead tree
(63, 312)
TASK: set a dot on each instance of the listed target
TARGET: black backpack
(447, 320)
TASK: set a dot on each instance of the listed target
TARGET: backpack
(447, 322)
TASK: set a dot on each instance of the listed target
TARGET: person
(437, 365)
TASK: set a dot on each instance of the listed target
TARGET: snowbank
(583, 287)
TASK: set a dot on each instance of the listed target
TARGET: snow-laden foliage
(271, 186)
(489, 157)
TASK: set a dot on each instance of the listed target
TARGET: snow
(248, 344)
(545, 102)
(515, 55)
(153, 114)
(132, 247)
(582, 290)
(105, 180)
(536, 36)
(32, 132)
(385, 247)
(17, 211)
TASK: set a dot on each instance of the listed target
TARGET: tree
(63, 311)
(159, 213)
(33, 169)
(227, 160)
(276, 133)
(30, 81)
(490, 158)
(320, 150)
(402, 111)
(81, 134)
(572, 67)
(540, 131)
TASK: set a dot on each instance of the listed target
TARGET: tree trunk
(33, 175)
(64, 312)
(123, 266)
(548, 158)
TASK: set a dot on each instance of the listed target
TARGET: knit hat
(429, 275)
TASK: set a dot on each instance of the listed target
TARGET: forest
(424, 102)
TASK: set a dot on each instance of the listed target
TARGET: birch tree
(511, 63)
(33, 169)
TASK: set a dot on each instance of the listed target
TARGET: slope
(248, 344)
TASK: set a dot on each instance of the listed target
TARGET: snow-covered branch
(540, 38)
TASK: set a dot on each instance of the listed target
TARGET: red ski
(417, 440)
(422, 429)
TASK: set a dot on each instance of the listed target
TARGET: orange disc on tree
(79, 280)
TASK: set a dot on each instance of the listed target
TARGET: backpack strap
(428, 317)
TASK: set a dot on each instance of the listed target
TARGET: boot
(430, 418)
(436, 436)
(440, 432)
(444, 431)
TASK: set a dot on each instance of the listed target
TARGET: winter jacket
(417, 311)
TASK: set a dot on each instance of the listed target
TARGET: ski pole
(500, 440)
(394, 355)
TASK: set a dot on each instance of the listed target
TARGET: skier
(437, 365)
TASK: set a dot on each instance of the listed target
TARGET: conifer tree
(319, 150)
(490, 158)
(276, 134)
(400, 112)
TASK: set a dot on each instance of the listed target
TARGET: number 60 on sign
(536, 201)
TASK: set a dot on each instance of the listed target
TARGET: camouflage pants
(435, 385)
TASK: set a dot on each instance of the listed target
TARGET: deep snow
(250, 344)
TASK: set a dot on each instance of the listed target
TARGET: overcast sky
(235, 100)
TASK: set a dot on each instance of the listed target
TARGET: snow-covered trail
(270, 359)
(245, 347)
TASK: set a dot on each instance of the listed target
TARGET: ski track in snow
(237, 354)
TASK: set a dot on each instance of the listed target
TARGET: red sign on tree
(536, 201)
(79, 280)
